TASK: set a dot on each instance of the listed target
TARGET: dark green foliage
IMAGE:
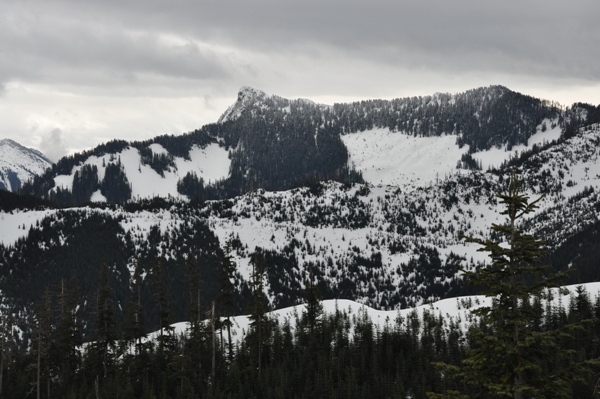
(196, 189)
(115, 186)
(159, 162)
(277, 144)
(104, 334)
(334, 355)
(581, 253)
(257, 315)
(40, 185)
(340, 354)
(135, 322)
(79, 242)
(68, 336)
(85, 183)
(509, 355)
(226, 296)
(468, 162)
(13, 201)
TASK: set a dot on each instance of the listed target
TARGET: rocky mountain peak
(246, 96)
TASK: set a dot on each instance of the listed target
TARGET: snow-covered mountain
(385, 245)
(266, 141)
(371, 198)
(19, 164)
(455, 313)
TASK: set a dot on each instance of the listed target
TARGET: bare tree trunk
(182, 361)
(222, 340)
(39, 366)
(198, 304)
(214, 346)
(229, 339)
(199, 316)
(2, 356)
(259, 348)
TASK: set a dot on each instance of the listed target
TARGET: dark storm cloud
(50, 40)
(57, 48)
(548, 37)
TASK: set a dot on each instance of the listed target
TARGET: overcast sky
(77, 73)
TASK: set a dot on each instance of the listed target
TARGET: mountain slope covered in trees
(265, 141)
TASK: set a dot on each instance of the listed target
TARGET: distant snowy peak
(19, 163)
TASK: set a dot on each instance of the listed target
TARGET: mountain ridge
(19, 163)
(294, 186)
(275, 143)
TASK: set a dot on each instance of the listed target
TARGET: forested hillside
(283, 202)
(273, 143)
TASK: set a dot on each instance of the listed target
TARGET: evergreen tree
(257, 260)
(43, 340)
(507, 356)
(194, 281)
(135, 329)
(68, 331)
(105, 334)
(6, 331)
(163, 302)
(314, 307)
(226, 291)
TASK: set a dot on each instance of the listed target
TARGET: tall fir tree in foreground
(507, 356)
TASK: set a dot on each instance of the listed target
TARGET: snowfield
(210, 163)
(495, 156)
(398, 159)
(456, 312)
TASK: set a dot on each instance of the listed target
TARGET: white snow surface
(495, 156)
(395, 158)
(455, 311)
(16, 224)
(24, 162)
(210, 163)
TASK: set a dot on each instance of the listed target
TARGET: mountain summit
(246, 96)
(19, 163)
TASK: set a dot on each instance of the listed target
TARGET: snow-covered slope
(210, 163)
(546, 132)
(384, 245)
(399, 159)
(456, 312)
(18, 164)
(388, 245)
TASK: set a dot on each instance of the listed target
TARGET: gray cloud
(132, 69)
(47, 41)
(530, 37)
(52, 145)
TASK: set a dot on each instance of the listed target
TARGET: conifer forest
(436, 247)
